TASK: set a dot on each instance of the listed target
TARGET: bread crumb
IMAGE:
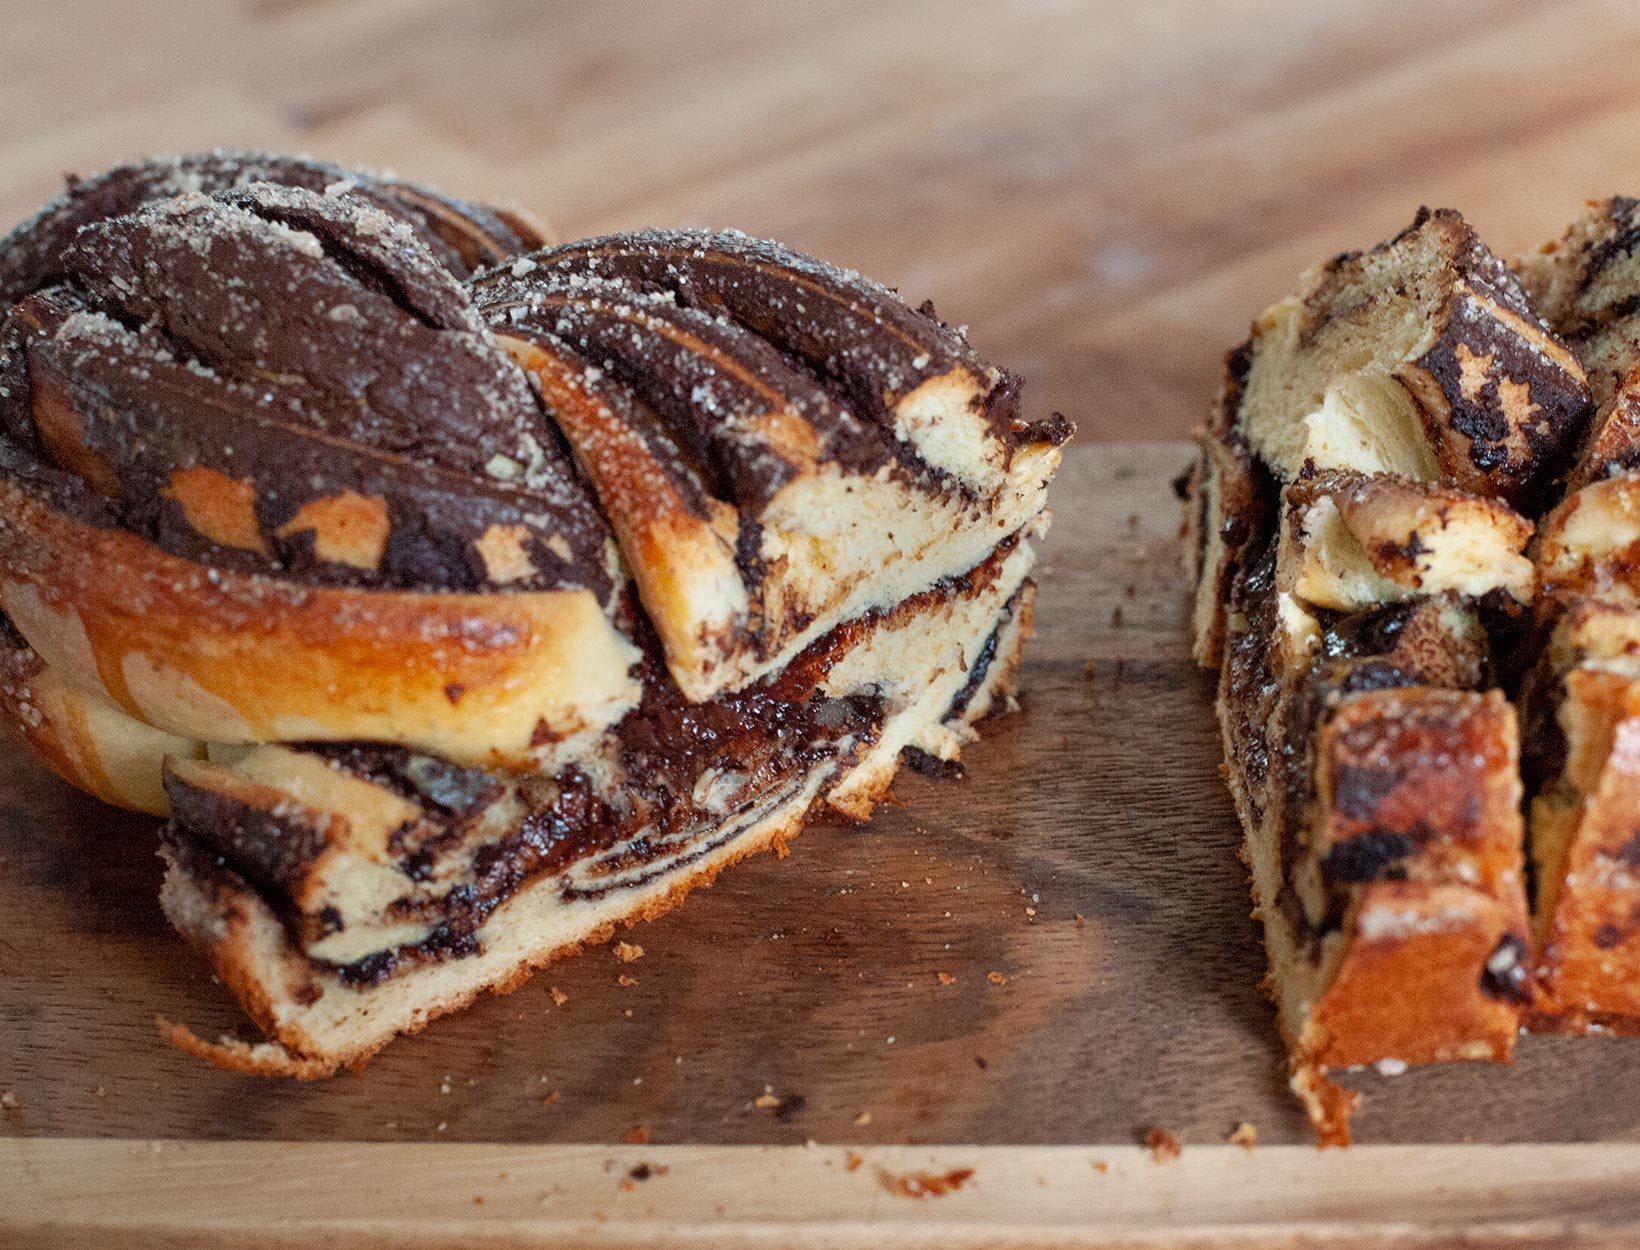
(996, 978)
(8, 1100)
(863, 1119)
(559, 998)
(1163, 1145)
(946, 978)
(1245, 1136)
(637, 1135)
(766, 1099)
(623, 979)
(552, 1098)
(1100, 1166)
(854, 1162)
(626, 952)
(925, 1184)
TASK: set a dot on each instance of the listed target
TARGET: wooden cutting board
(1079, 889)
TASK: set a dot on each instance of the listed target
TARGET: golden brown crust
(85, 740)
(222, 656)
(1586, 826)
(1418, 797)
(1589, 545)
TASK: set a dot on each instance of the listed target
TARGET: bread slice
(1383, 835)
(1586, 858)
(1358, 522)
(1230, 509)
(1351, 541)
(370, 928)
(1420, 357)
(779, 444)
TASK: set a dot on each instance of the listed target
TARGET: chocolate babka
(457, 600)
(1367, 585)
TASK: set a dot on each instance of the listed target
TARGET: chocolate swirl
(461, 235)
(278, 380)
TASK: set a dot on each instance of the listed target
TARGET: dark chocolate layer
(462, 236)
(285, 381)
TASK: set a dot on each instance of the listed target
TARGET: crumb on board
(8, 1100)
(766, 1099)
(924, 1184)
(853, 1162)
(1245, 1136)
(863, 1119)
(945, 978)
(996, 978)
(1163, 1145)
(626, 952)
(559, 998)
(637, 1135)
(552, 1098)
(624, 980)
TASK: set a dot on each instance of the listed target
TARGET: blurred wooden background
(1104, 191)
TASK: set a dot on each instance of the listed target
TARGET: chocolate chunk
(1375, 855)
(1505, 975)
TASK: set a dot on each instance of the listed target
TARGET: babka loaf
(457, 600)
(1360, 525)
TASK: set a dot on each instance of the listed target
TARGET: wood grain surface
(1106, 192)
(149, 1195)
(816, 979)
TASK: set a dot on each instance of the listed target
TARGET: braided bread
(454, 615)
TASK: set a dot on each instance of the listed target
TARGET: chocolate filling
(688, 775)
